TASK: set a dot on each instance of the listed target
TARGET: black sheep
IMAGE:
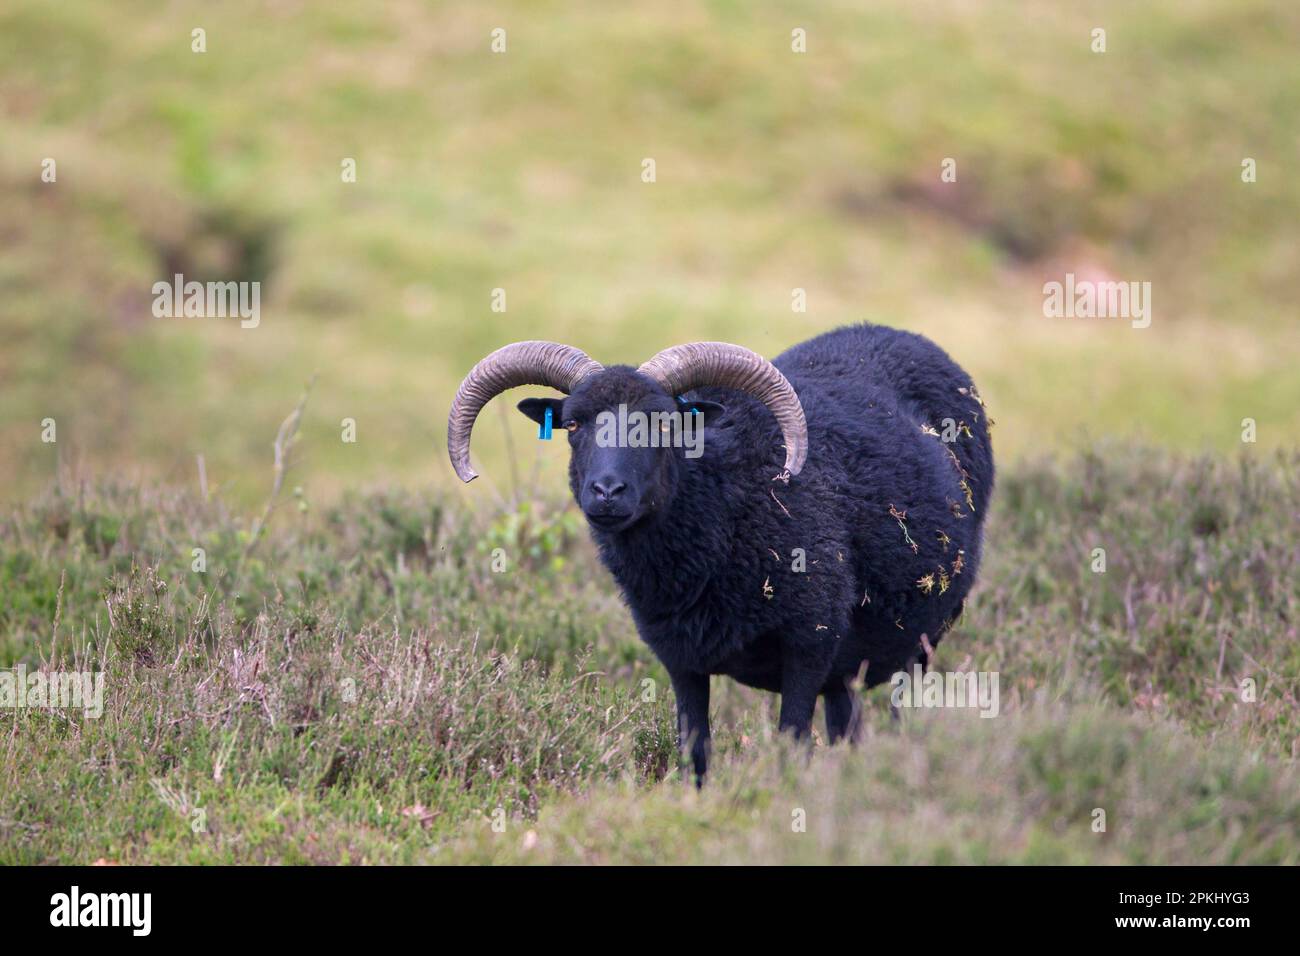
(852, 566)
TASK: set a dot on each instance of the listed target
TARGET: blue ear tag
(544, 430)
(682, 401)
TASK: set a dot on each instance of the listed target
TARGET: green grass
(521, 171)
(359, 685)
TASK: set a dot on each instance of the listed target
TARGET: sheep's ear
(711, 411)
(535, 408)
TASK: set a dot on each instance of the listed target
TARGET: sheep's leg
(843, 715)
(692, 692)
(803, 674)
(922, 658)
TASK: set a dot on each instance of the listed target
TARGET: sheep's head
(622, 467)
(626, 436)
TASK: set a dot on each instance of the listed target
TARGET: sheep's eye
(571, 425)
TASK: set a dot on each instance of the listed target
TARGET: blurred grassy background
(522, 171)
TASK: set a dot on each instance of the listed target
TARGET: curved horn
(684, 367)
(521, 363)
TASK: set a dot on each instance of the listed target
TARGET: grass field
(522, 171)
(357, 684)
(350, 681)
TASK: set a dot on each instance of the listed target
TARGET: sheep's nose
(607, 488)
